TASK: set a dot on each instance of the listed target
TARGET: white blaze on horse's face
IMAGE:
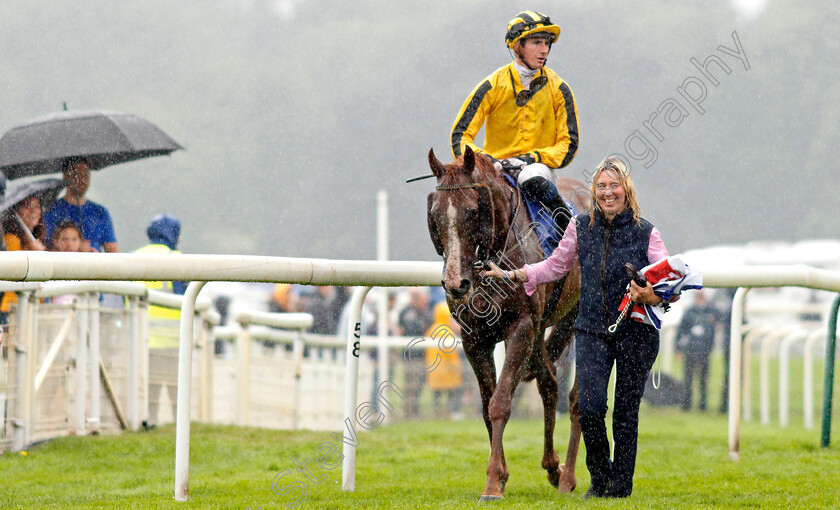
(452, 274)
(457, 273)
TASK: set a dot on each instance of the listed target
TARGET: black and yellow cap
(528, 23)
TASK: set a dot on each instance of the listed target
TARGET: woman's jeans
(633, 348)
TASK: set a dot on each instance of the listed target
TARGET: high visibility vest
(164, 323)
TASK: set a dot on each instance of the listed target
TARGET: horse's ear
(433, 231)
(435, 165)
(469, 160)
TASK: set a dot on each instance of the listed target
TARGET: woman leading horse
(600, 244)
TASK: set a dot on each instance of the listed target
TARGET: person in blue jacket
(94, 219)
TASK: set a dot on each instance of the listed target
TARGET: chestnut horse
(475, 217)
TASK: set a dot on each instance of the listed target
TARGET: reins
(482, 264)
(448, 187)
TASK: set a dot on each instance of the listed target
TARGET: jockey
(530, 115)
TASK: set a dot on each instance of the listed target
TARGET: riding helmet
(527, 23)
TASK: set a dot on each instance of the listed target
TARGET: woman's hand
(517, 275)
(644, 295)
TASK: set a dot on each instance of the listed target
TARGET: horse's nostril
(461, 289)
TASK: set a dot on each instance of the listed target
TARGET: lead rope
(657, 373)
(612, 328)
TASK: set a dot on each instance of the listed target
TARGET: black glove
(526, 158)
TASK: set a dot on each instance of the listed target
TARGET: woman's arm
(656, 251)
(555, 266)
(656, 248)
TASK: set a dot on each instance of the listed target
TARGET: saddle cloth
(547, 231)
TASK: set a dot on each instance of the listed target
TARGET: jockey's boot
(543, 191)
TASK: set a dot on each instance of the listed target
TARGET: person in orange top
(17, 238)
(443, 362)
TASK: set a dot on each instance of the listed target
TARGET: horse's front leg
(568, 481)
(520, 338)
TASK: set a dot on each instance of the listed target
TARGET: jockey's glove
(526, 158)
(510, 164)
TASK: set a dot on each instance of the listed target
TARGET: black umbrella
(41, 145)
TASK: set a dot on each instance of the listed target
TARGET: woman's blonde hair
(618, 170)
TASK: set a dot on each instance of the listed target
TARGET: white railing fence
(73, 365)
(35, 266)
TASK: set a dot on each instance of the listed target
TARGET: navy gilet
(603, 249)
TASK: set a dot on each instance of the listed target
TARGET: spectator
(320, 306)
(29, 237)
(94, 219)
(413, 322)
(68, 238)
(444, 362)
(283, 299)
(164, 233)
(222, 304)
(696, 336)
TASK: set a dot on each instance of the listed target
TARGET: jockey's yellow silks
(546, 127)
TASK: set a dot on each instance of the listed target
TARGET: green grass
(682, 463)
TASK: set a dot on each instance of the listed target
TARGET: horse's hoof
(567, 487)
(487, 498)
(566, 481)
(554, 477)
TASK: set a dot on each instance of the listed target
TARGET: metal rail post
(133, 364)
(94, 358)
(81, 363)
(351, 384)
(735, 373)
(182, 424)
(828, 385)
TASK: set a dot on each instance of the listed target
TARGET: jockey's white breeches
(536, 170)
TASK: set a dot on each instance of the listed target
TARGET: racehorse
(474, 217)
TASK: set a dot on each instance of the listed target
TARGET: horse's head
(461, 218)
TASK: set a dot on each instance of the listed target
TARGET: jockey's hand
(510, 164)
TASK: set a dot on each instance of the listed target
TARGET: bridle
(484, 264)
